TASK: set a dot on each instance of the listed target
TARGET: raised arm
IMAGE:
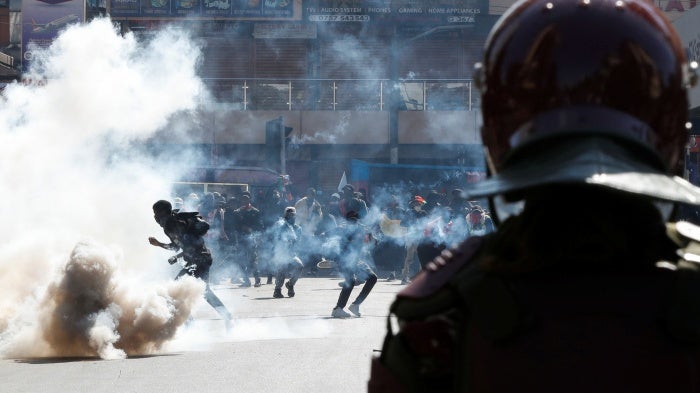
(167, 246)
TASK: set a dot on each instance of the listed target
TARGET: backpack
(194, 223)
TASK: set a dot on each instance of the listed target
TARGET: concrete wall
(439, 127)
(222, 126)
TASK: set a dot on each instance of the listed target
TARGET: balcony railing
(345, 94)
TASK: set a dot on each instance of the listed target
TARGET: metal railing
(344, 94)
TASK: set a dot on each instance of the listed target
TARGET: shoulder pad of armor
(439, 272)
(687, 237)
(685, 229)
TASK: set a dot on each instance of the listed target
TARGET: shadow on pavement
(52, 360)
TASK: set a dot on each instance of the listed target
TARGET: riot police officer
(584, 286)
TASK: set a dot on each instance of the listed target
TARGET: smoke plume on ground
(78, 276)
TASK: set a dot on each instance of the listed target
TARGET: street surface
(277, 345)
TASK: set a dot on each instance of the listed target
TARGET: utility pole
(283, 147)
(276, 140)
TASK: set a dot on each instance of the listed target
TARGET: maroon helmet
(585, 91)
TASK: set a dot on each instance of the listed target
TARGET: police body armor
(459, 328)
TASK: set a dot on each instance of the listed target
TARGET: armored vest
(460, 327)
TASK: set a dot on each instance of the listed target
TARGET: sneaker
(324, 264)
(245, 284)
(355, 309)
(340, 313)
(405, 281)
(290, 289)
(391, 277)
(278, 293)
(257, 284)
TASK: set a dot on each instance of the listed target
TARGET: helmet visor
(597, 161)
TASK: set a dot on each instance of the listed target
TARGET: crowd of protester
(266, 235)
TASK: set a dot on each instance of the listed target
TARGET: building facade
(386, 82)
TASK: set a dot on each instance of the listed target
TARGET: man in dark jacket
(351, 203)
(186, 231)
(247, 229)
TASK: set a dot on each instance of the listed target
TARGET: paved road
(277, 345)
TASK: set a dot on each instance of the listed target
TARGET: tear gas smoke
(78, 276)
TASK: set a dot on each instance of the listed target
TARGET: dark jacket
(186, 231)
(247, 222)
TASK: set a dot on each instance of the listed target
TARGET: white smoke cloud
(196, 337)
(78, 276)
(317, 137)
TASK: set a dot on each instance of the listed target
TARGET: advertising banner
(424, 11)
(155, 7)
(220, 9)
(125, 7)
(42, 20)
(216, 8)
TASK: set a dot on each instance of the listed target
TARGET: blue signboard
(221, 9)
(424, 11)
